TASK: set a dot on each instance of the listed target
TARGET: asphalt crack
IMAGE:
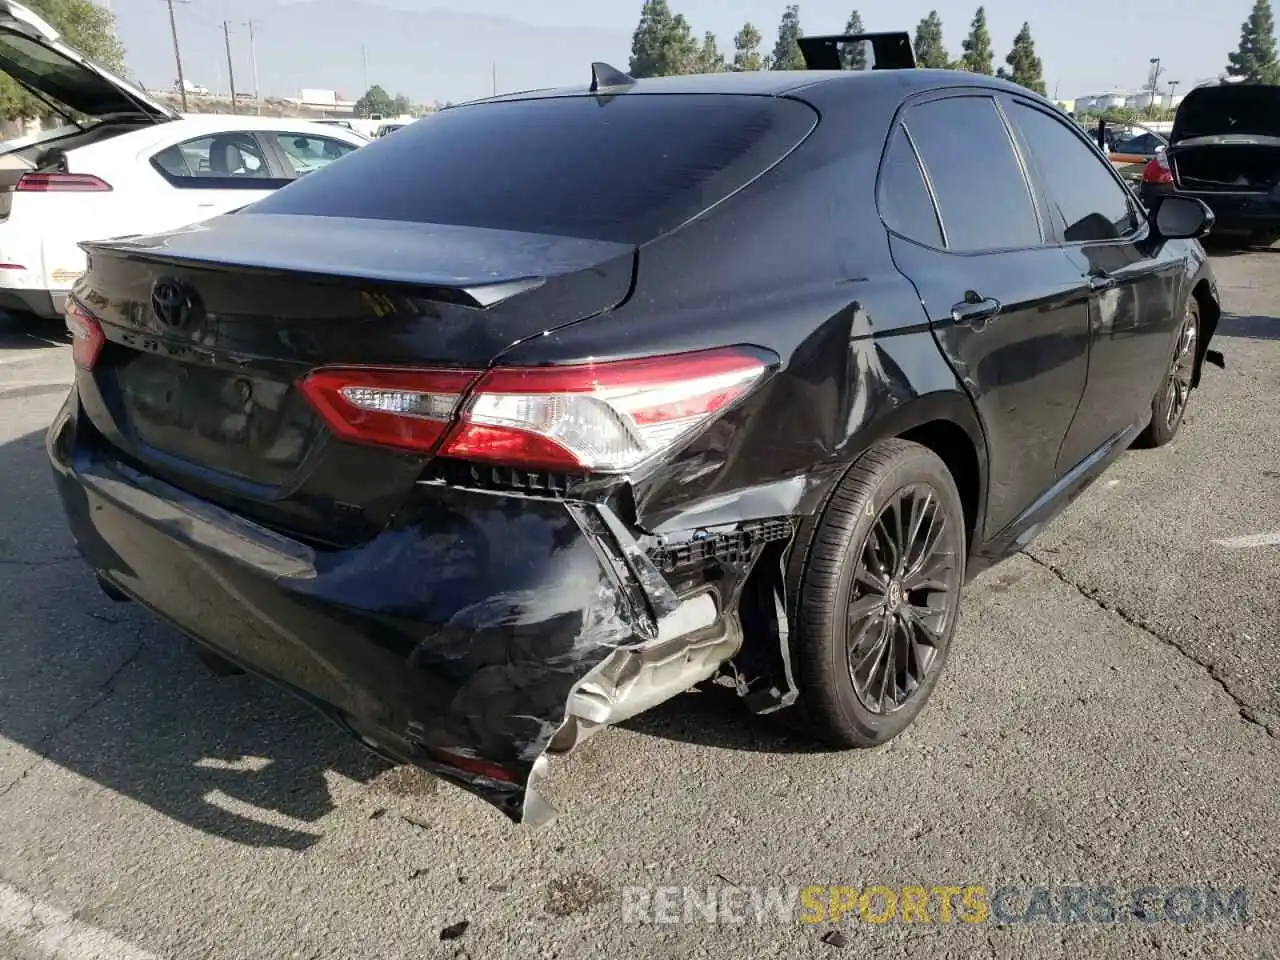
(106, 690)
(1248, 712)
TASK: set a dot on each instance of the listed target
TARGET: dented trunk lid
(209, 328)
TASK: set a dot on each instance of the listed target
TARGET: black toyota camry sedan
(552, 406)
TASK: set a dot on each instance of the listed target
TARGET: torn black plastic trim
(722, 545)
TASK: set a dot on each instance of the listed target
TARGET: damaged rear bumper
(476, 637)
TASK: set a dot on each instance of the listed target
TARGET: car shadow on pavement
(1248, 328)
(108, 692)
(714, 716)
(19, 333)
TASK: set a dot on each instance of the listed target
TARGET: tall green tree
(977, 46)
(786, 51)
(1025, 67)
(853, 55)
(928, 43)
(746, 49)
(1255, 60)
(709, 59)
(663, 43)
(85, 25)
(375, 101)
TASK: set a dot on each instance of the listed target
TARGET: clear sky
(1087, 46)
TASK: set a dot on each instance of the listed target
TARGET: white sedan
(127, 165)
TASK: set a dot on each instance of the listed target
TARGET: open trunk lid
(210, 328)
(1248, 110)
(34, 55)
(1226, 139)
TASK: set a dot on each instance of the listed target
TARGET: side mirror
(1182, 218)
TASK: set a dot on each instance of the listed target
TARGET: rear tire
(876, 580)
(1169, 405)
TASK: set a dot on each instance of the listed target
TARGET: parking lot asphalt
(1110, 716)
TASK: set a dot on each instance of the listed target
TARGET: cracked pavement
(1110, 715)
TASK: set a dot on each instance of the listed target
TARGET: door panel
(1132, 324)
(1025, 366)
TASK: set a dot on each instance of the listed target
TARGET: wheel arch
(946, 423)
(1210, 314)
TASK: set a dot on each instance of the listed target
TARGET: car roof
(216, 122)
(771, 83)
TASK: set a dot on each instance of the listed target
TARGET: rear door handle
(1100, 281)
(975, 309)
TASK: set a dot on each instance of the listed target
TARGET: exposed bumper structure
(476, 638)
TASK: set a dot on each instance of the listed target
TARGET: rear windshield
(1246, 109)
(624, 169)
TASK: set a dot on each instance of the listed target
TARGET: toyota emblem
(171, 303)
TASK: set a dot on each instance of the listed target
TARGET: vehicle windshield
(624, 169)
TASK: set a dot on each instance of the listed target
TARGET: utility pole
(253, 54)
(494, 68)
(177, 54)
(231, 71)
(1172, 85)
(364, 66)
(1155, 80)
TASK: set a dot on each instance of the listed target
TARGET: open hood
(35, 56)
(1230, 110)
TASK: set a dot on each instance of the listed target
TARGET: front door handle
(1099, 282)
(975, 309)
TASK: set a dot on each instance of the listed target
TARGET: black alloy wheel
(1169, 406)
(905, 591)
(878, 578)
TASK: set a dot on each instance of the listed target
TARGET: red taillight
(598, 416)
(1157, 171)
(61, 183)
(406, 409)
(594, 416)
(87, 338)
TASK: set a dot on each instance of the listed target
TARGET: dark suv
(521, 421)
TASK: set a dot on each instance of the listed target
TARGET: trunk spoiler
(889, 51)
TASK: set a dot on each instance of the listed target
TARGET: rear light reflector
(87, 338)
(61, 183)
(406, 409)
(605, 416)
(1157, 171)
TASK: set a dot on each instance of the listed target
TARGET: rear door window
(904, 198)
(625, 169)
(978, 182)
(1086, 201)
(220, 160)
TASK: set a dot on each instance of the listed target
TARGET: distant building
(1125, 99)
(1100, 102)
(328, 101)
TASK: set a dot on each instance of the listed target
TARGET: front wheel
(1169, 405)
(878, 595)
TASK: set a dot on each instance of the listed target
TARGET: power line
(177, 53)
